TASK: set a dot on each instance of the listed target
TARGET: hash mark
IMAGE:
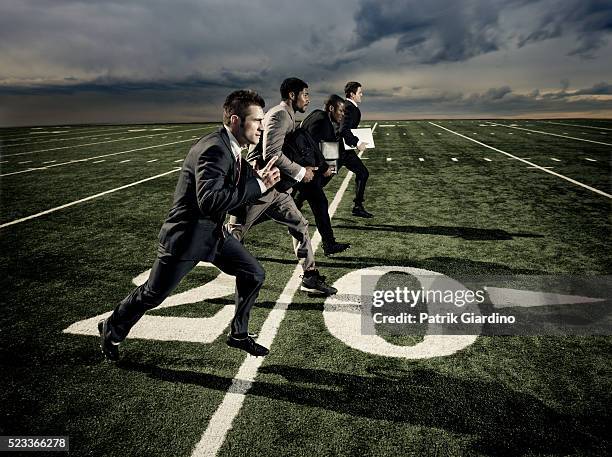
(126, 160)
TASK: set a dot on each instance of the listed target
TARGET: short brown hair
(351, 88)
(238, 102)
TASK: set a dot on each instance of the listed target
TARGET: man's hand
(270, 174)
(330, 171)
(309, 173)
(362, 146)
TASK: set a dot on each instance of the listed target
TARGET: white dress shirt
(237, 151)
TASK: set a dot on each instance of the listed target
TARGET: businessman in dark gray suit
(214, 179)
(348, 157)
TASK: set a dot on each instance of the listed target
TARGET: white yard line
(221, 421)
(92, 144)
(91, 197)
(597, 191)
(94, 157)
(555, 134)
(577, 125)
(93, 134)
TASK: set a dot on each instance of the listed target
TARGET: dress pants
(353, 163)
(231, 258)
(280, 207)
(313, 193)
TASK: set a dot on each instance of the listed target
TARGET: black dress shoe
(313, 282)
(359, 211)
(110, 350)
(247, 344)
(334, 248)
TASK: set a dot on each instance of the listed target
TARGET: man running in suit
(278, 205)
(348, 157)
(213, 180)
(320, 125)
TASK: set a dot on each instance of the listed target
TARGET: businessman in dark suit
(214, 179)
(348, 157)
(320, 125)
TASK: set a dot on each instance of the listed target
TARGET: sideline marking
(597, 191)
(91, 197)
(89, 144)
(577, 125)
(95, 157)
(554, 134)
(221, 421)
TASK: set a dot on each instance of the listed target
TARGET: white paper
(365, 136)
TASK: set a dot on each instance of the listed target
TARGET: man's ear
(292, 96)
(234, 119)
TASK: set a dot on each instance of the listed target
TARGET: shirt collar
(352, 101)
(288, 107)
(236, 149)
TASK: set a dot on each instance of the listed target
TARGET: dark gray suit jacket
(205, 192)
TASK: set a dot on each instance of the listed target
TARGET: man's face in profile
(336, 113)
(301, 101)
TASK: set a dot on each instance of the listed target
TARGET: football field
(81, 207)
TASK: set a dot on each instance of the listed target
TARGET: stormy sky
(64, 61)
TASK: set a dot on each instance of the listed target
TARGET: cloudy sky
(64, 61)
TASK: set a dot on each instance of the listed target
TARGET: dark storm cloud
(449, 31)
(589, 20)
(494, 102)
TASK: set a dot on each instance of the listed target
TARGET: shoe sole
(102, 331)
(316, 291)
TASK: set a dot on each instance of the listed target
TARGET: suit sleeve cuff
(300, 174)
(262, 186)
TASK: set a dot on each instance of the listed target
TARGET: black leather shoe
(110, 350)
(360, 211)
(247, 344)
(312, 281)
(334, 248)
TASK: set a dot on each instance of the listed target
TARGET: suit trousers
(353, 163)
(168, 270)
(313, 193)
(280, 207)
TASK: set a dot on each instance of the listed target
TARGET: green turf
(313, 395)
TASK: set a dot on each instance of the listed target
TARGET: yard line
(91, 197)
(96, 157)
(555, 134)
(221, 421)
(547, 168)
(89, 144)
(578, 125)
(55, 138)
(597, 191)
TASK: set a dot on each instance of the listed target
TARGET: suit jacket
(352, 117)
(278, 121)
(321, 128)
(206, 190)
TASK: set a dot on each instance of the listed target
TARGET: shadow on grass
(504, 421)
(466, 233)
(447, 265)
